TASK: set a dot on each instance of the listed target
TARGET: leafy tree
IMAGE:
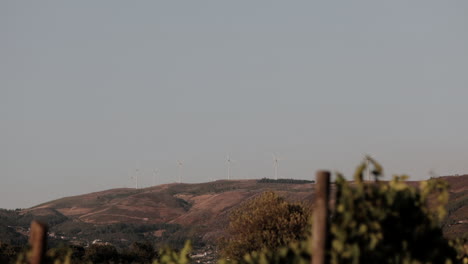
(267, 221)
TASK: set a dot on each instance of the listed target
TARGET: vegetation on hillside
(284, 181)
(138, 252)
(267, 221)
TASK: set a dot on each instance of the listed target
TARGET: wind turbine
(155, 172)
(433, 174)
(229, 161)
(275, 164)
(180, 164)
(135, 178)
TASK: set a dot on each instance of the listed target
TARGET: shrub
(267, 221)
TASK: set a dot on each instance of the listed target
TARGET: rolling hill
(172, 213)
(200, 210)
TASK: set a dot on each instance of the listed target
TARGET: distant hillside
(456, 224)
(9, 234)
(165, 203)
(199, 210)
(171, 213)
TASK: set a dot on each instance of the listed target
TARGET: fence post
(38, 242)
(320, 217)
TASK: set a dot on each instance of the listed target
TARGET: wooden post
(38, 242)
(320, 217)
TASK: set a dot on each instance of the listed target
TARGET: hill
(199, 210)
(172, 213)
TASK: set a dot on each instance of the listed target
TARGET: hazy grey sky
(89, 90)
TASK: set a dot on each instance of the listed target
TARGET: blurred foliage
(169, 256)
(378, 222)
(461, 246)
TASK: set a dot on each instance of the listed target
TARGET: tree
(101, 254)
(267, 221)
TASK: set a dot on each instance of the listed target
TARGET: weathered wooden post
(38, 242)
(320, 217)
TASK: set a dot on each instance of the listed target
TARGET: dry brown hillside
(207, 205)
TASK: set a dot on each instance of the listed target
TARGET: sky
(91, 91)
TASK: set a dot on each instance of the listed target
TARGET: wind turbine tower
(136, 178)
(229, 161)
(275, 165)
(433, 174)
(180, 164)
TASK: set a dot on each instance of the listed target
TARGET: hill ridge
(181, 210)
